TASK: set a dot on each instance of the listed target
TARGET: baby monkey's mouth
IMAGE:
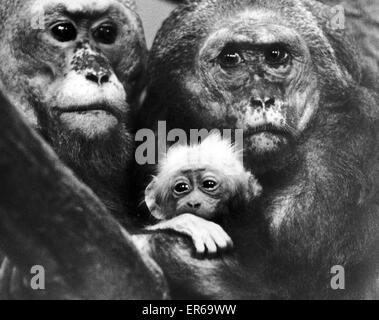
(200, 212)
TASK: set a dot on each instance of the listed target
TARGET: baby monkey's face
(202, 192)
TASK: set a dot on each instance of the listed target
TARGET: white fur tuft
(214, 152)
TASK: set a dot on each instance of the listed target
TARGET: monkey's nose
(97, 77)
(262, 103)
(194, 205)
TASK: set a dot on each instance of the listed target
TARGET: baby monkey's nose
(194, 205)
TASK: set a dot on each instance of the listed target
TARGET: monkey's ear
(150, 200)
(255, 189)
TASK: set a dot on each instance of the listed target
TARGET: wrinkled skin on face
(203, 192)
(206, 179)
(247, 73)
(277, 70)
(257, 74)
(199, 193)
(75, 70)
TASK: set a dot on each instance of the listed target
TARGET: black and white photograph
(188, 155)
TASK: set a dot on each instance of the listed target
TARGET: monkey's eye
(230, 58)
(106, 33)
(64, 32)
(276, 55)
(210, 184)
(181, 187)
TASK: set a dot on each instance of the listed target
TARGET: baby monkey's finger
(210, 244)
(230, 243)
(199, 246)
(221, 237)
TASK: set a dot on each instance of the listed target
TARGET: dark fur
(30, 67)
(327, 187)
(28, 59)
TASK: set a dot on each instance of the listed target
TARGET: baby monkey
(199, 184)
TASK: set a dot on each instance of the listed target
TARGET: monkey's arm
(207, 236)
(325, 215)
(329, 213)
(299, 204)
(221, 278)
(49, 218)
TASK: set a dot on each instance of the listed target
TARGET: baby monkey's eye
(210, 184)
(181, 187)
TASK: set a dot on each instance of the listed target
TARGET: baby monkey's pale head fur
(206, 179)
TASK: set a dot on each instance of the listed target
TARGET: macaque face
(207, 180)
(201, 192)
(256, 66)
(76, 76)
(81, 63)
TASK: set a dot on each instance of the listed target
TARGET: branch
(49, 218)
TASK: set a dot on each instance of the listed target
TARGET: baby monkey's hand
(207, 236)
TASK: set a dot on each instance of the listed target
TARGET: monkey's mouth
(94, 110)
(91, 120)
(266, 139)
(268, 129)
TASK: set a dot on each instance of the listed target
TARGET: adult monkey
(10, 138)
(279, 71)
(74, 70)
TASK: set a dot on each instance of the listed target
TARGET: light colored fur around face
(214, 154)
